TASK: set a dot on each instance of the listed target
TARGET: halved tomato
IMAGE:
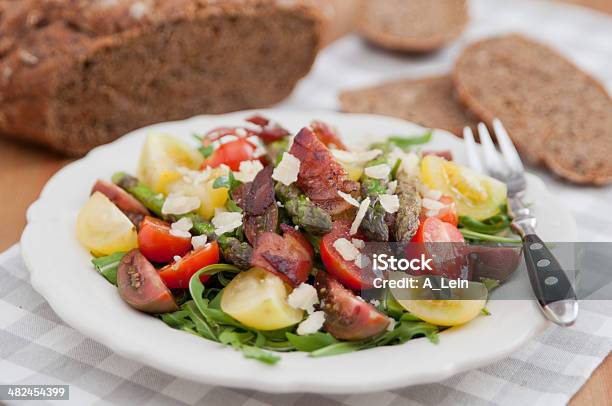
(347, 272)
(231, 154)
(141, 287)
(442, 242)
(475, 194)
(347, 317)
(177, 275)
(157, 244)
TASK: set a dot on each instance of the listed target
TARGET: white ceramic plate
(61, 271)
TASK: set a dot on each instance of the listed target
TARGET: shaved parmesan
(390, 203)
(226, 222)
(248, 171)
(381, 171)
(355, 157)
(312, 324)
(432, 194)
(391, 187)
(179, 204)
(303, 297)
(287, 170)
(199, 241)
(359, 244)
(348, 198)
(184, 224)
(432, 204)
(363, 207)
(346, 249)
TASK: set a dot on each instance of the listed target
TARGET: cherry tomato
(347, 317)
(177, 275)
(432, 229)
(443, 242)
(448, 214)
(347, 272)
(141, 287)
(157, 244)
(231, 154)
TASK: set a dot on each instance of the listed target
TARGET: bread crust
(43, 42)
(557, 115)
(426, 101)
(417, 26)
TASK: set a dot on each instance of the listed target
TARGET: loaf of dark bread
(427, 101)
(556, 114)
(78, 73)
(412, 25)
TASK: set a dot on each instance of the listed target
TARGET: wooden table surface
(25, 169)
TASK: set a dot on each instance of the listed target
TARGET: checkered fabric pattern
(36, 347)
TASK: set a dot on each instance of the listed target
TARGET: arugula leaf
(311, 342)
(259, 354)
(206, 151)
(485, 311)
(391, 306)
(231, 205)
(228, 181)
(407, 330)
(338, 348)
(406, 142)
(476, 236)
(395, 168)
(489, 283)
(108, 266)
(492, 225)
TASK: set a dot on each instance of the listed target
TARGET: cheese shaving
(363, 207)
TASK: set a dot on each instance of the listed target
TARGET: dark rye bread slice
(412, 25)
(428, 101)
(78, 73)
(556, 114)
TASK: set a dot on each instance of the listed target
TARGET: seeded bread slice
(428, 101)
(556, 114)
(78, 73)
(412, 25)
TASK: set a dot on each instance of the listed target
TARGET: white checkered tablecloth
(36, 347)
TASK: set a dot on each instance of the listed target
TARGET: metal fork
(549, 281)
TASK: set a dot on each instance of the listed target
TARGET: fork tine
(470, 149)
(493, 163)
(507, 147)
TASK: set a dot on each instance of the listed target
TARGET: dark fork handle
(549, 281)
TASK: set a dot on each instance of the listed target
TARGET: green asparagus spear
(303, 212)
(155, 201)
(373, 224)
(407, 218)
(236, 252)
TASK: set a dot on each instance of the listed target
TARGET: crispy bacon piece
(327, 135)
(290, 256)
(269, 131)
(260, 209)
(321, 176)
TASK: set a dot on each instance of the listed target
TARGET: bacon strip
(321, 176)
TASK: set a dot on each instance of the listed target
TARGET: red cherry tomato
(141, 287)
(231, 154)
(432, 229)
(347, 272)
(157, 244)
(443, 242)
(347, 317)
(177, 275)
(448, 214)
